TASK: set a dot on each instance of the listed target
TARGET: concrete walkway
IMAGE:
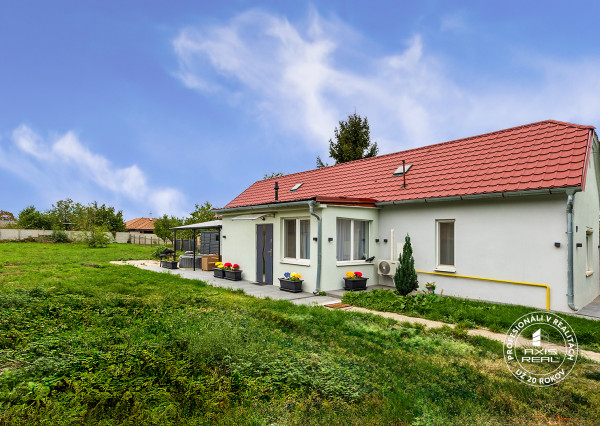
(592, 309)
(594, 356)
(251, 289)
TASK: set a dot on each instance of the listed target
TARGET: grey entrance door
(264, 253)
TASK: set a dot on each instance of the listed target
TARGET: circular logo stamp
(540, 349)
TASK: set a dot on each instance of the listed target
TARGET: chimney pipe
(276, 191)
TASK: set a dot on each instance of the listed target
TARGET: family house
(509, 216)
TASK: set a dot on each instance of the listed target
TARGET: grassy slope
(468, 313)
(83, 341)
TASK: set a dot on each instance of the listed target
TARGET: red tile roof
(544, 155)
(141, 223)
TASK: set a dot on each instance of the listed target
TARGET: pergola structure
(213, 224)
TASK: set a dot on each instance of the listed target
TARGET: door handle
(271, 252)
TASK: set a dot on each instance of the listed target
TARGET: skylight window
(295, 188)
(401, 170)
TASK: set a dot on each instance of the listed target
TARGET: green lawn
(467, 313)
(86, 342)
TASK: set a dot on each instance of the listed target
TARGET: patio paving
(250, 288)
(340, 293)
(592, 309)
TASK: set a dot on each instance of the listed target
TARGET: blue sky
(153, 106)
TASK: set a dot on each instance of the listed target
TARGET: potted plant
(430, 287)
(291, 282)
(354, 281)
(232, 271)
(219, 270)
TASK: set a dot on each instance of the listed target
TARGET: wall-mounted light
(376, 240)
(330, 239)
(556, 244)
(579, 244)
(385, 240)
(315, 239)
(224, 236)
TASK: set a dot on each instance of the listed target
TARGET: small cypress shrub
(405, 277)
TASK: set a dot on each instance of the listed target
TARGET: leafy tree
(162, 225)
(352, 141)
(64, 214)
(67, 213)
(272, 175)
(6, 216)
(405, 277)
(31, 218)
(109, 218)
(203, 213)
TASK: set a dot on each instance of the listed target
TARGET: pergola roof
(213, 224)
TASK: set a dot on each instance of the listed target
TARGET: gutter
(570, 249)
(264, 206)
(311, 205)
(479, 196)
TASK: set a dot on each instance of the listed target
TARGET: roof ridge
(537, 123)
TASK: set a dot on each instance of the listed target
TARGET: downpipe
(570, 249)
(311, 206)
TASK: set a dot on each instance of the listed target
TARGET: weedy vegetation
(83, 341)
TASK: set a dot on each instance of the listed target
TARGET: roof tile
(544, 155)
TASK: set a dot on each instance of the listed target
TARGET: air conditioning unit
(387, 267)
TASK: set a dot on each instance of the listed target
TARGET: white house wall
(586, 214)
(504, 238)
(239, 245)
(333, 272)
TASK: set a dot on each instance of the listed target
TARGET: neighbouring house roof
(545, 155)
(140, 224)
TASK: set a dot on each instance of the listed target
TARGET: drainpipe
(570, 291)
(311, 206)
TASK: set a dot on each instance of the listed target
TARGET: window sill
(353, 263)
(445, 268)
(301, 262)
(589, 273)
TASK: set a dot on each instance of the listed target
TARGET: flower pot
(169, 264)
(219, 273)
(233, 275)
(355, 284)
(293, 286)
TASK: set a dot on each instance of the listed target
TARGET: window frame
(295, 260)
(438, 250)
(353, 261)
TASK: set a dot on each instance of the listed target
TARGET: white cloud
(306, 77)
(66, 166)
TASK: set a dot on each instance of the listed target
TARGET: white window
(352, 240)
(589, 247)
(296, 238)
(445, 243)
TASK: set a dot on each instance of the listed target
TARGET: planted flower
(232, 271)
(355, 281)
(291, 282)
(219, 265)
(353, 275)
(292, 276)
